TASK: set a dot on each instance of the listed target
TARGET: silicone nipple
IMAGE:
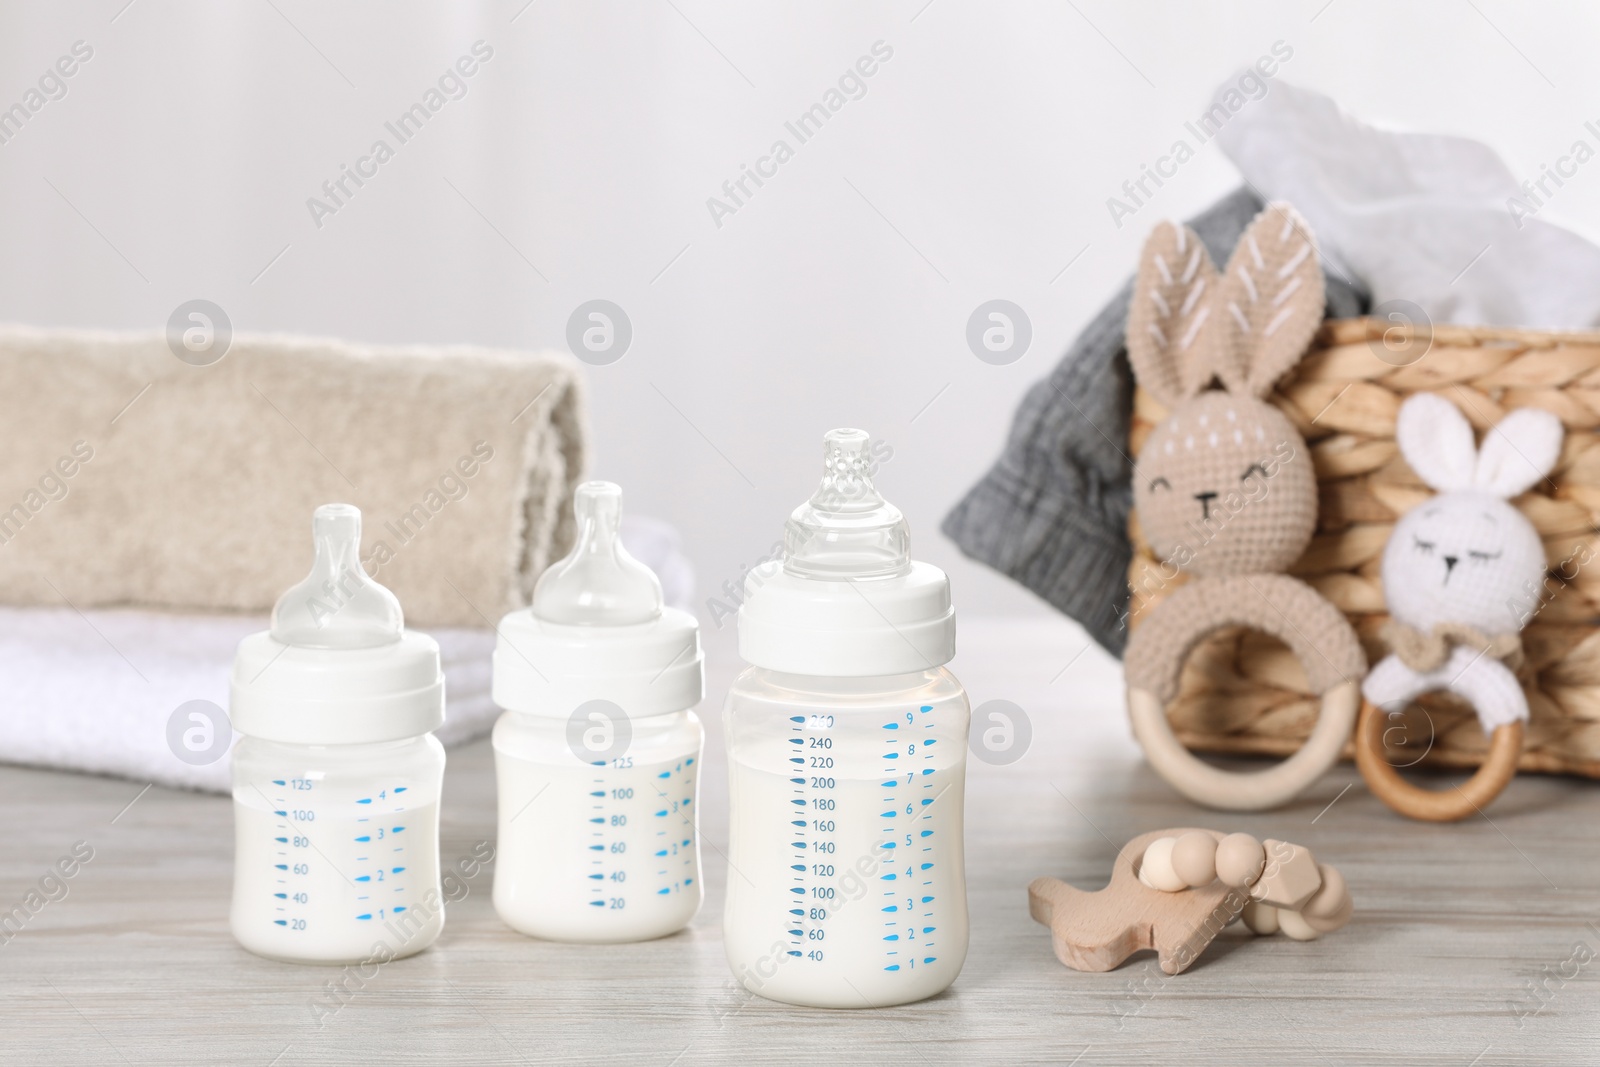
(846, 530)
(337, 605)
(598, 583)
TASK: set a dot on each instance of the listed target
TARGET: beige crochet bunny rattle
(1225, 491)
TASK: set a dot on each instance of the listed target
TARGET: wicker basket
(1245, 693)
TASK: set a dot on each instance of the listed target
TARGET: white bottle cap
(597, 629)
(847, 600)
(338, 665)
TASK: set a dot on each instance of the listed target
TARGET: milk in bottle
(847, 760)
(598, 753)
(336, 780)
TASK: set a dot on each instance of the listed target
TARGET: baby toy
(1174, 891)
(1455, 574)
(1224, 491)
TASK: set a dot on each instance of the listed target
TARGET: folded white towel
(93, 691)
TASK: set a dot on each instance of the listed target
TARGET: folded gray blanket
(1052, 513)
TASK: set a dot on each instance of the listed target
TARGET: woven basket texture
(1243, 692)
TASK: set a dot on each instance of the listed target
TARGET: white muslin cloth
(93, 691)
(1436, 221)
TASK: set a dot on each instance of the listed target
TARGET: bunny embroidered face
(1467, 556)
(1225, 485)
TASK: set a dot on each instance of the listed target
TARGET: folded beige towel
(131, 477)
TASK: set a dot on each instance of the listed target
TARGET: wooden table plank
(1453, 926)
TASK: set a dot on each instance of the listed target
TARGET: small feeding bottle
(336, 781)
(847, 744)
(598, 753)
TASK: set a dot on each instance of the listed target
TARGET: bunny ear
(1436, 440)
(1270, 302)
(1171, 322)
(1519, 451)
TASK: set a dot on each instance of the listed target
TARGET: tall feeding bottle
(847, 744)
(336, 782)
(598, 752)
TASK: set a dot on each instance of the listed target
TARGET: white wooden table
(1454, 928)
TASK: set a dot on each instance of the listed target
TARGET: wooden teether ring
(1244, 790)
(1435, 805)
(1271, 603)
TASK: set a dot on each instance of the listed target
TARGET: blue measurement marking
(401, 788)
(365, 838)
(797, 934)
(890, 875)
(364, 800)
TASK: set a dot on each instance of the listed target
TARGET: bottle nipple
(598, 583)
(846, 530)
(337, 605)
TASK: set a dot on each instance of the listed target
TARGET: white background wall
(976, 166)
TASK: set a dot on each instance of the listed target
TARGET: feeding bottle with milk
(598, 752)
(847, 743)
(336, 781)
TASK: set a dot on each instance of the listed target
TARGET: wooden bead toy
(1159, 897)
(1194, 858)
(1240, 858)
(1289, 878)
(1328, 899)
(1156, 870)
(1260, 918)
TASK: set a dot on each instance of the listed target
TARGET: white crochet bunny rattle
(1456, 572)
